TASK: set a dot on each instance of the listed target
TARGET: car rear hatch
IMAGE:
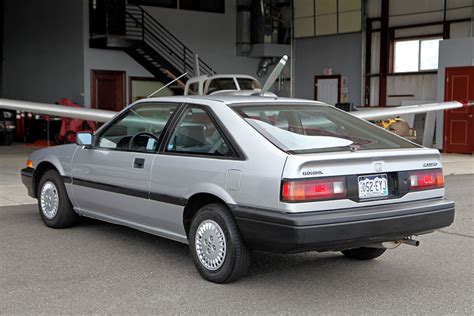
(348, 174)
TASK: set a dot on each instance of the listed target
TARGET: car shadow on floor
(263, 263)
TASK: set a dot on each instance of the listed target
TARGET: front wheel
(55, 208)
(363, 253)
(217, 249)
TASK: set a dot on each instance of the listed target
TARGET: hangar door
(327, 89)
(108, 90)
(459, 123)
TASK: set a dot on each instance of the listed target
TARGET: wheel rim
(49, 200)
(210, 245)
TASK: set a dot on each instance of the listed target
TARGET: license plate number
(373, 186)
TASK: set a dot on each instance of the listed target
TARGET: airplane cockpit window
(194, 88)
(221, 84)
(248, 84)
(139, 129)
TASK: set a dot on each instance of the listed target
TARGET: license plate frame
(381, 188)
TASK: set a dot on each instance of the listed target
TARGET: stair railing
(141, 25)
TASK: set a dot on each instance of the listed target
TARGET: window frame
(97, 135)
(238, 154)
(420, 39)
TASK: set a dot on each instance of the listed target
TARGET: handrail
(143, 26)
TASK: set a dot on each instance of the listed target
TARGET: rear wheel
(55, 208)
(217, 249)
(363, 253)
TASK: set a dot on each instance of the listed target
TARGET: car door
(111, 180)
(197, 156)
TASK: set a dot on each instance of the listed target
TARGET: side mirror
(84, 139)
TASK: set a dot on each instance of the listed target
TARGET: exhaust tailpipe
(411, 242)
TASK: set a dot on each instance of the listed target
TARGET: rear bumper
(340, 229)
(27, 179)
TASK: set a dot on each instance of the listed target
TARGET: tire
(211, 224)
(7, 139)
(53, 202)
(363, 253)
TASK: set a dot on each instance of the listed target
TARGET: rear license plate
(373, 186)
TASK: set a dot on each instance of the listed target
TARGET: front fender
(59, 156)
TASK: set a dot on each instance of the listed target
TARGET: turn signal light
(29, 164)
(313, 190)
(426, 179)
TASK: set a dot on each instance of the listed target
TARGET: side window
(139, 129)
(197, 134)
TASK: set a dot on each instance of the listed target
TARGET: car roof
(232, 100)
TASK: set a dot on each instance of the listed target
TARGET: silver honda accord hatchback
(227, 175)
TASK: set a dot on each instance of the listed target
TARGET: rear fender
(213, 189)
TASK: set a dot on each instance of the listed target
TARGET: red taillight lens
(426, 179)
(313, 190)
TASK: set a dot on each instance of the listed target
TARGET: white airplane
(224, 84)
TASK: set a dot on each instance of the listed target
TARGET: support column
(384, 53)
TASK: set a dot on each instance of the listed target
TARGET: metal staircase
(154, 47)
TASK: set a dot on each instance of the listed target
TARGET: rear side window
(197, 134)
(315, 128)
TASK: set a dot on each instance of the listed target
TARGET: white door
(328, 90)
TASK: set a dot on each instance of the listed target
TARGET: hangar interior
(354, 54)
(374, 53)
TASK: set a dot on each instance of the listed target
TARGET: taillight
(313, 190)
(426, 179)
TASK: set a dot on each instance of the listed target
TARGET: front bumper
(27, 179)
(340, 229)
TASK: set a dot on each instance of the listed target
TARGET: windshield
(218, 84)
(248, 84)
(316, 128)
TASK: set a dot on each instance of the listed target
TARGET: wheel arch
(194, 203)
(40, 170)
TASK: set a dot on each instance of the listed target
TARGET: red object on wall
(459, 123)
(69, 126)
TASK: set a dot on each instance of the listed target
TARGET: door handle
(139, 163)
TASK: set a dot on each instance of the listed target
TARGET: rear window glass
(316, 128)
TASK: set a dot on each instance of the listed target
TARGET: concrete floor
(12, 160)
(99, 268)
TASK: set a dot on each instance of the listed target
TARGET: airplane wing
(104, 116)
(58, 110)
(381, 113)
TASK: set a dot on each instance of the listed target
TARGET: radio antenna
(172, 81)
